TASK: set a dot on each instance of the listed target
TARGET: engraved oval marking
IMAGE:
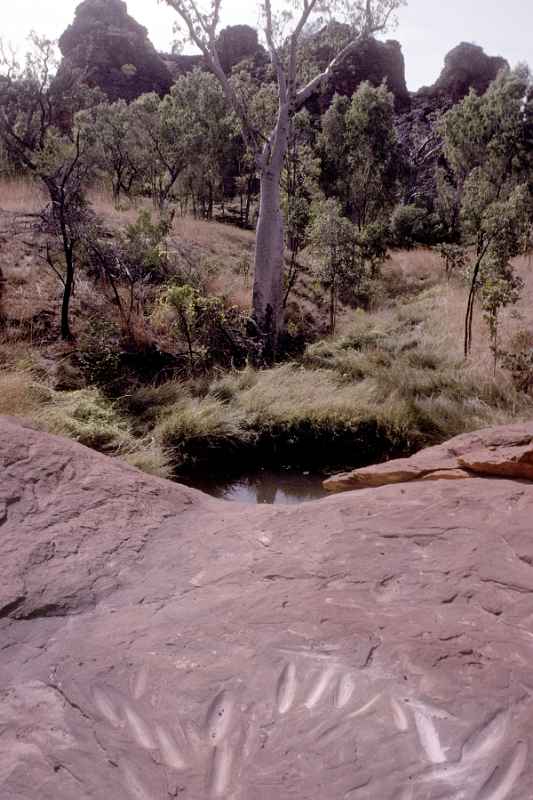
(367, 707)
(139, 728)
(319, 689)
(488, 737)
(220, 773)
(170, 751)
(429, 738)
(140, 683)
(286, 688)
(503, 779)
(106, 706)
(400, 717)
(219, 718)
(345, 690)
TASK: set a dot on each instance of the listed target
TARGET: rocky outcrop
(235, 44)
(504, 452)
(466, 67)
(158, 643)
(372, 61)
(113, 51)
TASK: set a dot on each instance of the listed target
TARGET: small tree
(300, 188)
(365, 17)
(118, 151)
(160, 133)
(38, 131)
(209, 129)
(333, 241)
(211, 331)
(486, 147)
(360, 153)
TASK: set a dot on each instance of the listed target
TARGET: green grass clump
(393, 382)
(89, 418)
(202, 433)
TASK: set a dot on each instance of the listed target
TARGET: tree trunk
(66, 333)
(268, 270)
(269, 247)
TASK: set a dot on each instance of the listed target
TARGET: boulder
(158, 643)
(505, 451)
(113, 51)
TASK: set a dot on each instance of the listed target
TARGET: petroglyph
(320, 687)
(139, 729)
(224, 750)
(487, 738)
(429, 738)
(140, 683)
(170, 752)
(400, 717)
(220, 772)
(367, 707)
(345, 690)
(286, 689)
(106, 706)
(503, 779)
(219, 718)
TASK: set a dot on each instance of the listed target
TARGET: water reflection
(265, 487)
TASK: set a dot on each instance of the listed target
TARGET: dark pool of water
(268, 487)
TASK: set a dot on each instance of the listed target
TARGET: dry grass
(393, 379)
(21, 196)
(222, 253)
(20, 394)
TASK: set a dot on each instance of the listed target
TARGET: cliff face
(372, 61)
(116, 55)
(113, 51)
(466, 67)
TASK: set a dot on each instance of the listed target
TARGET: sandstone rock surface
(156, 643)
(506, 451)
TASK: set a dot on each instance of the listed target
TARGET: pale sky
(427, 28)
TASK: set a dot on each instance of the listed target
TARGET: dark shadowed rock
(372, 61)
(237, 43)
(157, 643)
(467, 67)
(113, 51)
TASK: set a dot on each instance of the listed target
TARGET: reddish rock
(157, 643)
(494, 447)
(506, 462)
(447, 475)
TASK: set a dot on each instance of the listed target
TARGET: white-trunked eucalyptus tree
(285, 24)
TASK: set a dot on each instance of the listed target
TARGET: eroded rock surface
(156, 643)
(113, 51)
(506, 451)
